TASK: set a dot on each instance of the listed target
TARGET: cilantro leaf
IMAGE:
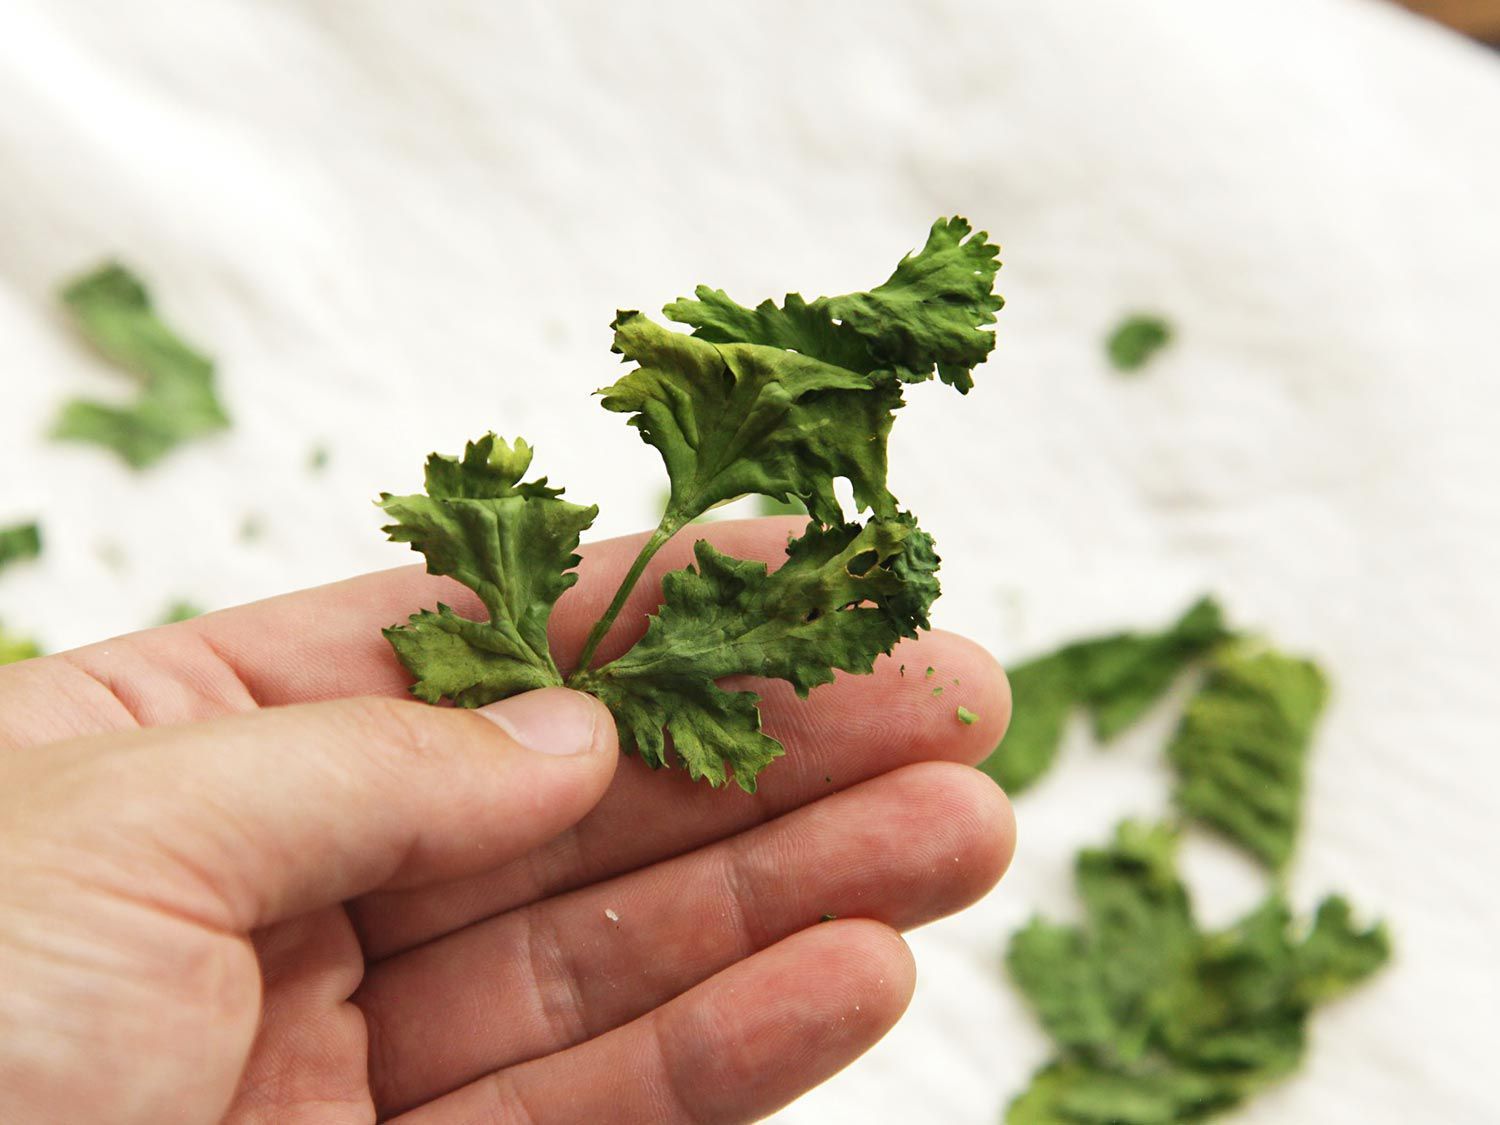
(176, 402)
(929, 315)
(731, 419)
(780, 401)
(1157, 1022)
(14, 649)
(509, 541)
(1116, 678)
(1135, 340)
(19, 542)
(844, 595)
(1241, 748)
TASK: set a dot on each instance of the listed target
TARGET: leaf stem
(669, 526)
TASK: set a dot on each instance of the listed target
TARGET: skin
(243, 878)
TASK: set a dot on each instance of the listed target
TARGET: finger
(904, 849)
(735, 1048)
(318, 644)
(847, 732)
(248, 820)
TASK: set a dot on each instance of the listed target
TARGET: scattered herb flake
(929, 672)
(967, 717)
(176, 401)
(1135, 340)
(18, 542)
(252, 528)
(317, 459)
(829, 918)
(1241, 748)
(1157, 1022)
(772, 401)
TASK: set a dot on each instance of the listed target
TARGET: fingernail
(550, 721)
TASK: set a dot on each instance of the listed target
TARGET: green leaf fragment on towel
(1156, 1021)
(1241, 749)
(176, 400)
(1115, 679)
(19, 542)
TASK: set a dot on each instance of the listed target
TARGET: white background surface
(398, 225)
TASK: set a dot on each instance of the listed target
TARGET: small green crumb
(902, 669)
(828, 918)
(937, 691)
(1135, 340)
(966, 716)
(317, 459)
(930, 670)
(252, 527)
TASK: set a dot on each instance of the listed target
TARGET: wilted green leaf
(510, 542)
(18, 542)
(1157, 1022)
(176, 401)
(1116, 678)
(1241, 749)
(843, 596)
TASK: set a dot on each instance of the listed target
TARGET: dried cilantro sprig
(1158, 1022)
(777, 401)
(176, 401)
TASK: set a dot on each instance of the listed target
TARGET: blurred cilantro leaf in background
(176, 401)
(1158, 1022)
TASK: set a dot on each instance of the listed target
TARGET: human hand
(242, 878)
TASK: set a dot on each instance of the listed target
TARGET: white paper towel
(399, 224)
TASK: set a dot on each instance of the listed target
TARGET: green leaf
(1043, 692)
(732, 419)
(1077, 1092)
(1157, 1022)
(512, 543)
(14, 649)
(1135, 340)
(929, 315)
(176, 401)
(1336, 955)
(181, 610)
(1241, 749)
(18, 542)
(1117, 678)
(780, 401)
(844, 595)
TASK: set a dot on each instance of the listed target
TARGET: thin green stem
(669, 526)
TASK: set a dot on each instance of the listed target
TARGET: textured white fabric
(400, 224)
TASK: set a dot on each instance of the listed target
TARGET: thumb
(244, 821)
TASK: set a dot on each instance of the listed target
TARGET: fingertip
(555, 721)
